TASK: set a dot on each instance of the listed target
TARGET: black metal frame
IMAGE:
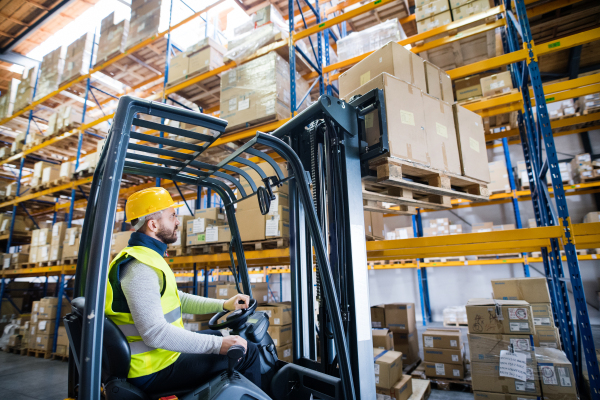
(121, 156)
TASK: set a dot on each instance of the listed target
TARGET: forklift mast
(324, 145)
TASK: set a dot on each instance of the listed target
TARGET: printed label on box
(212, 234)
(198, 225)
(406, 117)
(453, 343)
(456, 372)
(474, 144)
(72, 238)
(428, 340)
(272, 227)
(277, 321)
(524, 386)
(223, 292)
(232, 76)
(376, 369)
(519, 326)
(287, 352)
(564, 376)
(541, 321)
(6, 263)
(517, 313)
(232, 104)
(454, 357)
(55, 230)
(244, 104)
(441, 130)
(521, 344)
(548, 375)
(275, 341)
(376, 324)
(440, 369)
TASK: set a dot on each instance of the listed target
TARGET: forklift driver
(143, 300)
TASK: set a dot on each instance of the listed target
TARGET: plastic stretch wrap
(144, 22)
(248, 43)
(7, 101)
(371, 39)
(112, 38)
(259, 90)
(77, 60)
(51, 72)
(264, 16)
(589, 102)
(556, 375)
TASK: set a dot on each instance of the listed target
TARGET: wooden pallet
(392, 262)
(405, 199)
(13, 350)
(69, 261)
(84, 173)
(439, 187)
(455, 324)
(39, 353)
(421, 389)
(267, 244)
(26, 265)
(250, 124)
(60, 357)
(60, 181)
(460, 385)
(49, 263)
(443, 259)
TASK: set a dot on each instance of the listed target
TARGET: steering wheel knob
(234, 317)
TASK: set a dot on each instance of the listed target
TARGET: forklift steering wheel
(236, 318)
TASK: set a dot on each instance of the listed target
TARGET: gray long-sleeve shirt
(142, 286)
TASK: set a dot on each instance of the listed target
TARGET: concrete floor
(29, 378)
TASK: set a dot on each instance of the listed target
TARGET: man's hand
(229, 341)
(234, 302)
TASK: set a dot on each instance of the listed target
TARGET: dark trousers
(192, 370)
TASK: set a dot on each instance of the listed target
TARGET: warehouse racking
(555, 229)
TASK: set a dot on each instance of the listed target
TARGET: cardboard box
(407, 138)
(44, 342)
(281, 334)
(486, 377)
(377, 225)
(400, 317)
(542, 314)
(442, 145)
(251, 204)
(284, 353)
(487, 347)
(199, 225)
(250, 224)
(501, 396)
(218, 234)
(279, 313)
(55, 252)
(556, 374)
(59, 230)
(392, 59)
(207, 59)
(546, 336)
(496, 84)
(442, 339)
(120, 240)
(259, 291)
(439, 84)
(62, 338)
(408, 345)
(43, 253)
(441, 370)
(48, 307)
(383, 339)
(378, 317)
(500, 316)
(446, 356)
(44, 236)
(471, 144)
(45, 327)
(181, 231)
(71, 234)
(388, 367)
(278, 225)
(498, 177)
(70, 251)
(404, 233)
(62, 350)
(472, 8)
(401, 390)
(179, 66)
(367, 222)
(431, 9)
(33, 254)
(436, 21)
(213, 213)
(531, 290)
(468, 88)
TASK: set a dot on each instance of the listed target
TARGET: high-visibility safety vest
(145, 360)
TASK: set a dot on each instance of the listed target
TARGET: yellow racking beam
(548, 7)
(70, 185)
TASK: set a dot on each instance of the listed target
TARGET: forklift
(327, 153)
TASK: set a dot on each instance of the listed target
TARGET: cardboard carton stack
(280, 328)
(120, 240)
(70, 249)
(462, 9)
(389, 380)
(44, 172)
(62, 342)
(374, 229)
(51, 71)
(370, 39)
(455, 315)
(7, 100)
(437, 227)
(535, 292)
(47, 310)
(258, 91)
(561, 109)
(443, 354)
(468, 88)
(65, 119)
(495, 327)
(202, 57)
(196, 322)
(432, 14)
(24, 95)
(145, 18)
(77, 59)
(583, 168)
(556, 374)
(113, 38)
(22, 223)
(400, 319)
(260, 291)
(432, 141)
(207, 226)
(499, 181)
(588, 103)
(496, 84)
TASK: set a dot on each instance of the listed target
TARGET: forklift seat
(116, 357)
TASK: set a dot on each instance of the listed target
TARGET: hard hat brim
(174, 206)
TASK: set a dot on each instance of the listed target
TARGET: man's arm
(192, 304)
(141, 286)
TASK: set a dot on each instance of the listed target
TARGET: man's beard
(166, 236)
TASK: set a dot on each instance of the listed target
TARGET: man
(143, 300)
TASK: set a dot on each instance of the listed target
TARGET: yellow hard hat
(148, 201)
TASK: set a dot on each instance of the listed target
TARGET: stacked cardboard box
(258, 91)
(556, 374)
(112, 38)
(482, 227)
(264, 27)
(495, 326)
(77, 59)
(389, 380)
(7, 101)
(51, 71)
(588, 103)
(47, 310)
(44, 172)
(499, 181)
(592, 217)
(496, 84)
(65, 119)
(196, 322)
(559, 109)
(469, 8)
(443, 353)
(145, 18)
(202, 57)
(374, 228)
(370, 39)
(535, 292)
(58, 233)
(24, 95)
(382, 339)
(206, 226)
(120, 240)
(260, 291)
(31, 342)
(404, 233)
(437, 227)
(280, 328)
(471, 144)
(439, 84)
(62, 342)
(400, 319)
(71, 243)
(583, 168)
(432, 14)
(22, 223)
(468, 88)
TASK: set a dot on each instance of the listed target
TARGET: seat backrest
(116, 354)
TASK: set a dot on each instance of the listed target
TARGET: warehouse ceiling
(25, 24)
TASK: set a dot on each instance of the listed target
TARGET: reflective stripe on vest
(146, 360)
